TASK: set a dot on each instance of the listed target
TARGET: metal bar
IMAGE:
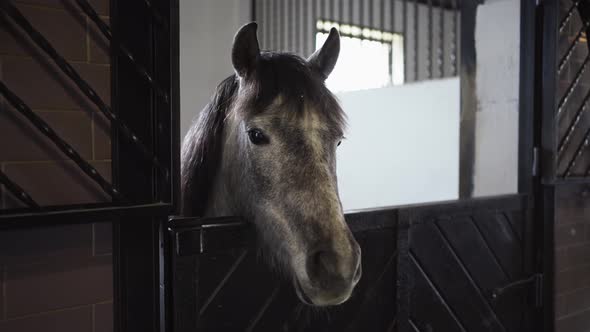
(405, 36)
(298, 34)
(80, 214)
(266, 24)
(572, 85)
(441, 39)
(156, 16)
(430, 40)
(392, 29)
(280, 30)
(382, 15)
(306, 31)
(416, 39)
(570, 50)
(362, 14)
(392, 14)
(290, 31)
(17, 191)
(62, 145)
(371, 14)
(579, 151)
(571, 128)
(454, 34)
(341, 11)
(332, 10)
(568, 15)
(106, 31)
(66, 68)
(276, 26)
(351, 11)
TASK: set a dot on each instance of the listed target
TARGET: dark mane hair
(277, 74)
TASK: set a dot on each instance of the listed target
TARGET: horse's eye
(339, 142)
(257, 137)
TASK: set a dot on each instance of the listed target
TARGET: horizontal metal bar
(570, 181)
(83, 214)
(66, 68)
(106, 32)
(61, 144)
(17, 191)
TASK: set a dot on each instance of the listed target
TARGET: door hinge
(535, 169)
(534, 283)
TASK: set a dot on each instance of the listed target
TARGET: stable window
(369, 58)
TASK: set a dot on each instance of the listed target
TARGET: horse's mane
(277, 74)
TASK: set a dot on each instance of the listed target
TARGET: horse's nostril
(322, 265)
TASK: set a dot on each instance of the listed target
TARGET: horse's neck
(217, 202)
(219, 199)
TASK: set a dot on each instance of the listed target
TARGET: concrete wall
(497, 89)
(207, 28)
(402, 145)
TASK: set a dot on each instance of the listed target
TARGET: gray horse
(265, 148)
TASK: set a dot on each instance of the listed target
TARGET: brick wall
(55, 278)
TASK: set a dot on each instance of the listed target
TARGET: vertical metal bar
(290, 26)
(266, 23)
(299, 47)
(351, 11)
(332, 10)
(371, 23)
(306, 31)
(392, 14)
(392, 29)
(382, 15)
(280, 16)
(454, 39)
(416, 39)
(275, 24)
(441, 39)
(362, 13)
(313, 25)
(430, 40)
(341, 11)
(405, 36)
(253, 9)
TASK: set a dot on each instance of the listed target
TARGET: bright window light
(368, 58)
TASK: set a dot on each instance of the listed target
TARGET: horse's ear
(245, 51)
(324, 59)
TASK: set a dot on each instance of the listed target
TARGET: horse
(264, 148)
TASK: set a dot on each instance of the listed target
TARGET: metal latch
(535, 169)
(536, 281)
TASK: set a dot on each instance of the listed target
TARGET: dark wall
(572, 241)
